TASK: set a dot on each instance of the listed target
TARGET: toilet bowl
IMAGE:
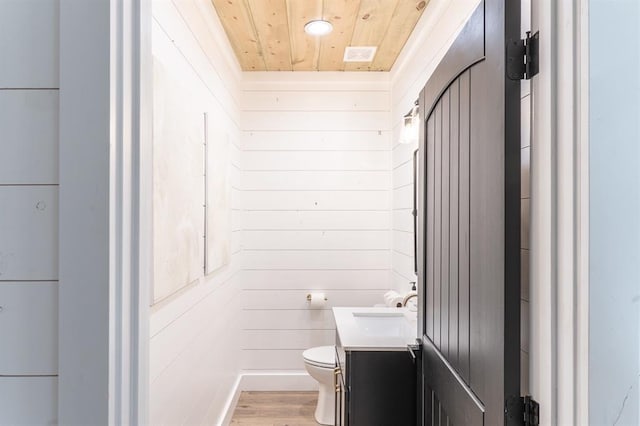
(320, 362)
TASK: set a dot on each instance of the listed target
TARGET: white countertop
(368, 329)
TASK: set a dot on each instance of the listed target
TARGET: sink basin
(375, 328)
(382, 324)
(378, 314)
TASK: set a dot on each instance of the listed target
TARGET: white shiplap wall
(29, 34)
(316, 205)
(195, 333)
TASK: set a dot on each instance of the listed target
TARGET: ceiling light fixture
(318, 27)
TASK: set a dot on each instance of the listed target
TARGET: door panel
(444, 233)
(463, 227)
(453, 395)
(426, 273)
(469, 225)
(454, 223)
(447, 271)
(437, 224)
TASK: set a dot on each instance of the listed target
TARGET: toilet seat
(321, 356)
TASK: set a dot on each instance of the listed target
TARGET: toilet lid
(324, 356)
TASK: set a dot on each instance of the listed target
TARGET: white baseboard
(266, 381)
(232, 401)
(277, 381)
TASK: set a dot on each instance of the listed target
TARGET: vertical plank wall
(316, 206)
(431, 39)
(29, 34)
(194, 333)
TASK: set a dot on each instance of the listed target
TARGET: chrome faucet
(408, 297)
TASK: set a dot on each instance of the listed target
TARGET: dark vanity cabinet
(375, 388)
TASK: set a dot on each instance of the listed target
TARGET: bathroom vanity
(375, 375)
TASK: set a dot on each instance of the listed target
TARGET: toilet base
(325, 410)
(319, 363)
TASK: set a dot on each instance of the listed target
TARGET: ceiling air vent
(359, 53)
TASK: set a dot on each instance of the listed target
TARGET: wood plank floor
(275, 409)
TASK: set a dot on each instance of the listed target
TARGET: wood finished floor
(275, 409)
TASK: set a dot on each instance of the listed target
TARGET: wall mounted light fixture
(410, 127)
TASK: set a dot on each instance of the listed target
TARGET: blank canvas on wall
(218, 201)
(178, 185)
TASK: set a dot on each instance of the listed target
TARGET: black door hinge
(522, 411)
(531, 411)
(522, 57)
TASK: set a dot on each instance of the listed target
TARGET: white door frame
(105, 270)
(105, 253)
(559, 215)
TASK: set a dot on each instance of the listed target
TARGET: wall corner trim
(232, 401)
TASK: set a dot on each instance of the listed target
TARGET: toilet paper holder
(309, 298)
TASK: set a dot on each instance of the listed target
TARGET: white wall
(194, 334)
(29, 83)
(614, 228)
(316, 204)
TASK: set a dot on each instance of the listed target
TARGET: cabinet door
(339, 399)
(380, 388)
(340, 410)
(344, 420)
(336, 398)
(340, 396)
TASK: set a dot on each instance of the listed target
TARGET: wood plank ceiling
(268, 35)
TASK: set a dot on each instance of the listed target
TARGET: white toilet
(320, 362)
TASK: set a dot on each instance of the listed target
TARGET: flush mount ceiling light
(318, 27)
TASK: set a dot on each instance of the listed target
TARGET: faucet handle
(415, 349)
(413, 286)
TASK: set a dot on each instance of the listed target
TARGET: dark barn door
(469, 226)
